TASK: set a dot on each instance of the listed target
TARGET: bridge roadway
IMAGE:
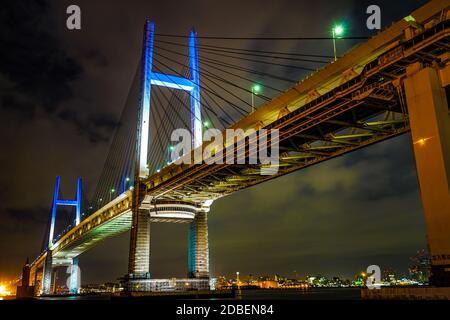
(349, 104)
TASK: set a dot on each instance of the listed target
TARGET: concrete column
(75, 277)
(430, 131)
(139, 265)
(54, 281)
(198, 254)
(47, 274)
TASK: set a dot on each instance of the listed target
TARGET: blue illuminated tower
(149, 78)
(59, 202)
(138, 277)
(48, 265)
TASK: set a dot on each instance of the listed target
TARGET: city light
(4, 291)
(127, 179)
(206, 124)
(171, 148)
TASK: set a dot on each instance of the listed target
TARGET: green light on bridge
(256, 88)
(338, 30)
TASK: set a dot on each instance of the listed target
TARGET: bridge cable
(221, 48)
(243, 112)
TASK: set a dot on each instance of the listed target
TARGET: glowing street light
(256, 88)
(125, 183)
(337, 31)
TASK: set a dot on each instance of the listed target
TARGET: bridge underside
(346, 126)
(90, 239)
(368, 108)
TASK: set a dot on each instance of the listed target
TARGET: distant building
(420, 268)
(25, 290)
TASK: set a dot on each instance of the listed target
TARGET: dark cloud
(17, 104)
(33, 59)
(38, 72)
(97, 127)
(96, 57)
(36, 216)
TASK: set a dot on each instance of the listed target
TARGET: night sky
(61, 94)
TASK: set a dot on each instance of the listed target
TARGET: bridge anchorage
(396, 82)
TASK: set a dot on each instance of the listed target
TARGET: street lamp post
(255, 89)
(336, 31)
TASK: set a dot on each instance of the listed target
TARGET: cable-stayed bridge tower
(147, 210)
(73, 262)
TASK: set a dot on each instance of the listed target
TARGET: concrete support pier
(198, 254)
(75, 277)
(430, 130)
(139, 263)
(47, 274)
(138, 278)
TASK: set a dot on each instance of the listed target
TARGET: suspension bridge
(392, 83)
